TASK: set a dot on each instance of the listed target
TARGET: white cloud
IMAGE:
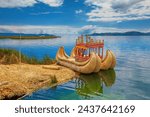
(58, 30)
(16, 3)
(52, 3)
(89, 29)
(118, 10)
(40, 13)
(45, 13)
(28, 3)
(31, 29)
(78, 11)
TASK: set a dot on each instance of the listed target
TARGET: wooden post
(102, 52)
(82, 39)
(98, 51)
(86, 38)
(78, 52)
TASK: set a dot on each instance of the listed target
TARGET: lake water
(129, 80)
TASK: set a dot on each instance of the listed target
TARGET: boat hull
(93, 65)
(86, 67)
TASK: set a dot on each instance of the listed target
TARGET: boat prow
(113, 64)
(98, 64)
(73, 52)
(61, 54)
(109, 62)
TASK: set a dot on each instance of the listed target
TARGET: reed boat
(86, 57)
(82, 67)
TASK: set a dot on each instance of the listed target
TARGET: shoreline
(28, 37)
(19, 80)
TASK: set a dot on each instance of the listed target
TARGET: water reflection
(92, 85)
(108, 77)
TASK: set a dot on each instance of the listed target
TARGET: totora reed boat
(87, 57)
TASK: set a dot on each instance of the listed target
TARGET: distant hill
(131, 33)
(26, 36)
(22, 34)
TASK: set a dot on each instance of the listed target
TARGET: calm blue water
(129, 80)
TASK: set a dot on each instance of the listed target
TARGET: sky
(74, 16)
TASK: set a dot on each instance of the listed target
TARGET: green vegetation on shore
(29, 37)
(10, 56)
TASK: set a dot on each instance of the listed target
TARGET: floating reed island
(19, 78)
(22, 36)
(87, 57)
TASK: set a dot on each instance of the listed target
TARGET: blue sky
(74, 16)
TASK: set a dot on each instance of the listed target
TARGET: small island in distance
(130, 33)
(26, 36)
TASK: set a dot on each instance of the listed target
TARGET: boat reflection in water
(92, 84)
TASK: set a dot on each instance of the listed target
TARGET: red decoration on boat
(83, 49)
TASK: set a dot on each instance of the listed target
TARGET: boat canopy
(82, 47)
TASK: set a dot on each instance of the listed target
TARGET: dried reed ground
(17, 80)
